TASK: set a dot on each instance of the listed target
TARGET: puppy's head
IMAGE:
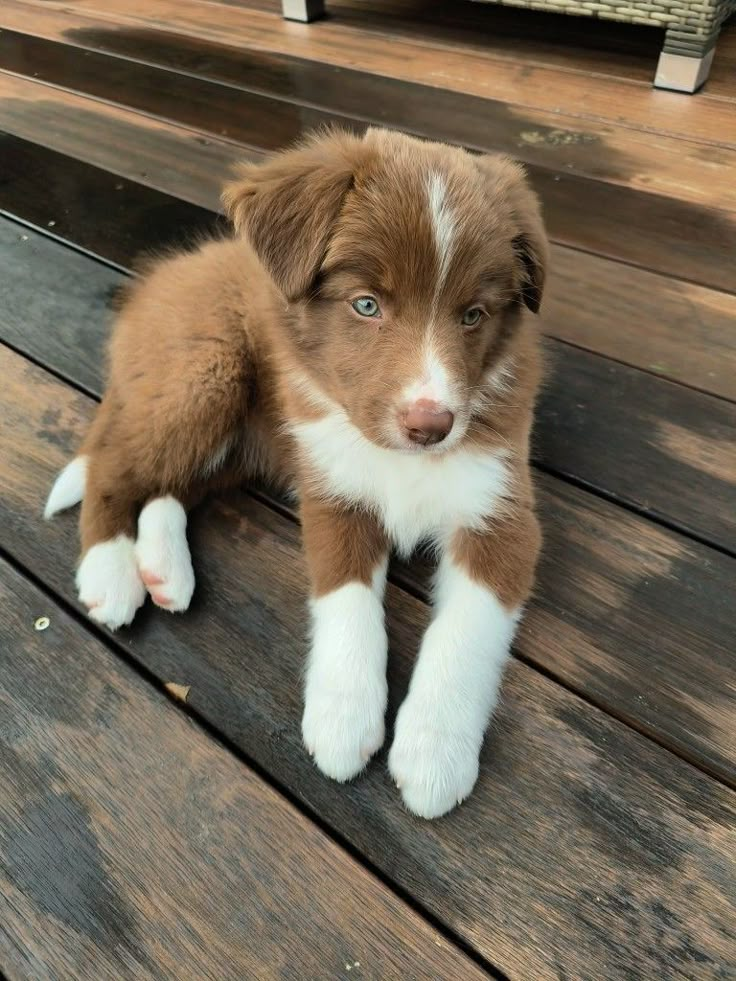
(406, 266)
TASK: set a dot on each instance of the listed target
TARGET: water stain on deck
(56, 861)
(557, 137)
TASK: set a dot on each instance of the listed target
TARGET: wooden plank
(61, 194)
(670, 237)
(648, 442)
(48, 290)
(681, 238)
(164, 156)
(687, 240)
(667, 326)
(618, 596)
(131, 840)
(510, 42)
(633, 104)
(721, 82)
(643, 161)
(675, 329)
(224, 110)
(536, 38)
(570, 858)
(610, 444)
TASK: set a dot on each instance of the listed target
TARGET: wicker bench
(691, 28)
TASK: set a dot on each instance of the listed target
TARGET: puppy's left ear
(288, 206)
(532, 249)
(509, 182)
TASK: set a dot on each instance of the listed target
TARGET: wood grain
(476, 72)
(672, 328)
(671, 237)
(603, 621)
(643, 161)
(161, 155)
(55, 304)
(646, 441)
(134, 846)
(571, 857)
(723, 71)
(677, 237)
(667, 326)
(61, 194)
(506, 33)
(532, 37)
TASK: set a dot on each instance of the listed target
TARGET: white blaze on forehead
(443, 223)
(433, 383)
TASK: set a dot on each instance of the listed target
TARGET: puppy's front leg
(345, 694)
(482, 582)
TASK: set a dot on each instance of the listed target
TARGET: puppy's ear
(288, 206)
(532, 249)
(508, 181)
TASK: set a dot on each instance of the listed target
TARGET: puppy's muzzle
(426, 423)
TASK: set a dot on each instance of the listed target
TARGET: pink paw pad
(150, 579)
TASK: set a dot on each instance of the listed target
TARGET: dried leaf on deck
(181, 692)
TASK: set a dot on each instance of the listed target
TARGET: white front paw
(343, 725)
(434, 765)
(109, 584)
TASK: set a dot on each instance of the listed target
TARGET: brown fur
(205, 349)
(342, 544)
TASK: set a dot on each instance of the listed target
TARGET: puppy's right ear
(288, 206)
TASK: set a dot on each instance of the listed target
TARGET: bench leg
(303, 10)
(685, 62)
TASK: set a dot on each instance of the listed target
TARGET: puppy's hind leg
(162, 551)
(108, 581)
(69, 486)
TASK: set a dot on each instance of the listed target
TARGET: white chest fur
(415, 496)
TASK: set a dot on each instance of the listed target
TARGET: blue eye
(366, 306)
(472, 316)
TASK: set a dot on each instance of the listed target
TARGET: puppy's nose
(426, 422)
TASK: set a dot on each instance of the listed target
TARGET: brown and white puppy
(362, 339)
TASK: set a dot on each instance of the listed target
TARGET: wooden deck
(146, 837)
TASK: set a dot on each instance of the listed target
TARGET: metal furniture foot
(303, 10)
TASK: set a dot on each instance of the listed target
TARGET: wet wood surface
(268, 99)
(162, 155)
(583, 830)
(576, 172)
(146, 838)
(60, 194)
(135, 846)
(442, 66)
(625, 613)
